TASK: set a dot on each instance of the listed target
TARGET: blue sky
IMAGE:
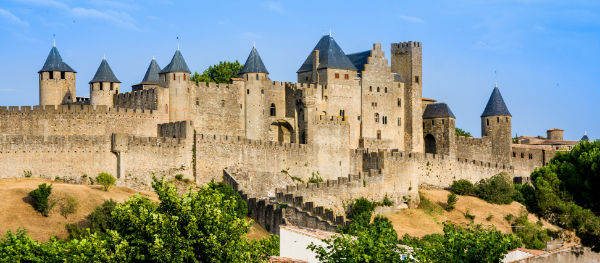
(545, 53)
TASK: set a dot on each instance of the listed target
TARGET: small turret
(256, 78)
(438, 129)
(496, 123)
(176, 77)
(585, 137)
(57, 80)
(151, 78)
(104, 85)
(254, 68)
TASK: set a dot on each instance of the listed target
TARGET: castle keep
(353, 116)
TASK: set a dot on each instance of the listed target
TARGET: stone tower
(256, 77)
(104, 86)
(176, 77)
(438, 129)
(407, 62)
(496, 124)
(57, 80)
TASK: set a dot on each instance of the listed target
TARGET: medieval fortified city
(302, 158)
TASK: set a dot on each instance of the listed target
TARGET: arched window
(376, 117)
(273, 110)
(430, 144)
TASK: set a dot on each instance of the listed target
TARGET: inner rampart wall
(65, 120)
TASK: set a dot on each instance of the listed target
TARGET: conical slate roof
(495, 105)
(330, 56)
(55, 63)
(438, 110)
(254, 63)
(585, 138)
(177, 64)
(104, 73)
(151, 75)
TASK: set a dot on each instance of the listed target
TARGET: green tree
(451, 202)
(241, 207)
(106, 180)
(471, 244)
(461, 132)
(41, 201)
(497, 190)
(219, 73)
(463, 187)
(69, 206)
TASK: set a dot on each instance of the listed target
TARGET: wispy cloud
(121, 19)
(11, 17)
(274, 6)
(411, 19)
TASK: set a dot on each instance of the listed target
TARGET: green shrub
(469, 216)
(98, 221)
(509, 217)
(489, 218)
(41, 202)
(27, 173)
(359, 212)
(241, 207)
(179, 177)
(496, 190)
(315, 178)
(463, 187)
(429, 207)
(69, 207)
(386, 201)
(106, 180)
(533, 235)
(451, 202)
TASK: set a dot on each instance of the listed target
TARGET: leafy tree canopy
(219, 73)
(461, 132)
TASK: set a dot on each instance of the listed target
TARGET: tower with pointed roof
(176, 77)
(407, 61)
(496, 125)
(257, 113)
(327, 64)
(150, 79)
(57, 80)
(104, 85)
(438, 129)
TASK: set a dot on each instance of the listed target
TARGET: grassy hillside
(428, 219)
(17, 211)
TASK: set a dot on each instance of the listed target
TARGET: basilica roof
(104, 73)
(55, 63)
(177, 64)
(254, 63)
(496, 105)
(330, 56)
(437, 110)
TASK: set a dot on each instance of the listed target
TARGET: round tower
(104, 86)
(438, 129)
(256, 79)
(496, 124)
(57, 81)
(176, 77)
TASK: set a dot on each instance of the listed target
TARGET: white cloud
(11, 17)
(274, 6)
(411, 19)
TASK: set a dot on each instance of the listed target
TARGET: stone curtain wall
(141, 99)
(67, 120)
(217, 108)
(474, 148)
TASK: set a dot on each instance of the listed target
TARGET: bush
(99, 221)
(315, 178)
(70, 206)
(533, 235)
(463, 187)
(496, 190)
(489, 218)
(469, 216)
(41, 202)
(386, 201)
(451, 202)
(428, 206)
(179, 177)
(359, 212)
(27, 173)
(106, 180)
(241, 207)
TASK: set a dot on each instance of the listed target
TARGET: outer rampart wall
(474, 148)
(217, 108)
(141, 99)
(67, 120)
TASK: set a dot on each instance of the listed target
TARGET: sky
(543, 54)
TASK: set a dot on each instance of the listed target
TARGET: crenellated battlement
(240, 140)
(74, 109)
(53, 143)
(401, 46)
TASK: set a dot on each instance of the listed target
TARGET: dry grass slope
(17, 212)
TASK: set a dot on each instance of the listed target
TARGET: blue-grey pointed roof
(330, 56)
(495, 105)
(55, 63)
(438, 110)
(104, 73)
(151, 75)
(585, 138)
(177, 64)
(254, 63)
(359, 59)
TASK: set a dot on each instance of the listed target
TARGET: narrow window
(197, 102)
(166, 108)
(273, 109)
(346, 76)
(498, 119)
(247, 91)
(173, 76)
(111, 86)
(306, 78)
(514, 154)
(100, 84)
(256, 76)
(377, 89)
(530, 156)
(378, 134)
(417, 79)
(51, 74)
(487, 121)
(384, 119)
(385, 89)
(262, 91)
(183, 77)
(399, 102)
(337, 75)
(222, 103)
(370, 88)
(442, 122)
(399, 121)
(62, 75)
(522, 155)
(342, 113)
(376, 117)
(358, 117)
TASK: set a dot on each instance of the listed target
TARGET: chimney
(315, 74)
